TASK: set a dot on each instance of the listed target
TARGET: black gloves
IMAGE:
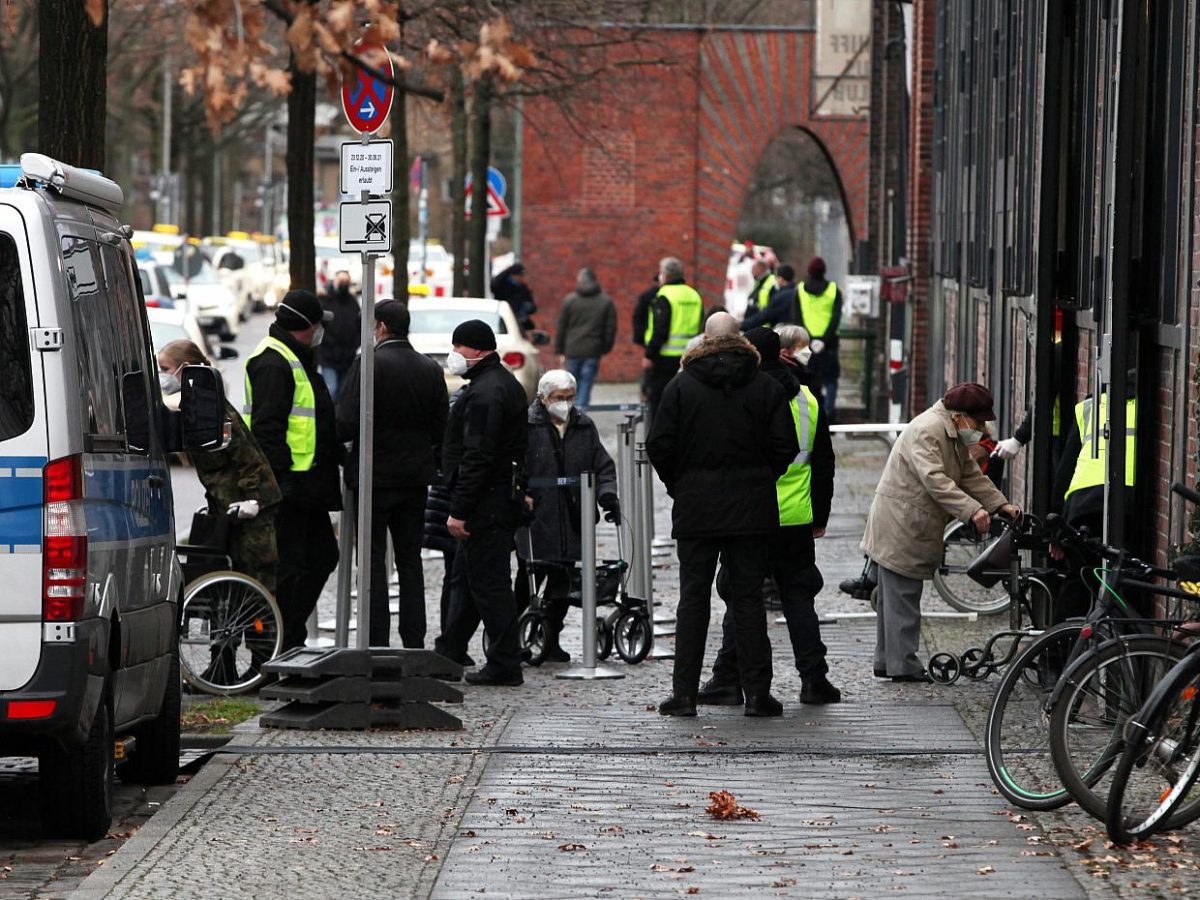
(611, 506)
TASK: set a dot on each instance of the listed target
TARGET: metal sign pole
(589, 671)
(366, 436)
(628, 525)
(341, 627)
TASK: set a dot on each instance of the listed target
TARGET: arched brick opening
(656, 158)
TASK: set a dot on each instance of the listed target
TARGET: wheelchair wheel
(532, 631)
(230, 627)
(604, 638)
(633, 635)
(961, 544)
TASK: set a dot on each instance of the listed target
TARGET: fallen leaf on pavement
(985, 870)
(570, 847)
(725, 806)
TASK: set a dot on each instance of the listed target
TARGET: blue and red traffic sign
(367, 100)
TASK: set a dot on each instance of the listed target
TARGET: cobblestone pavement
(573, 789)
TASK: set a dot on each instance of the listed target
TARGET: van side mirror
(202, 407)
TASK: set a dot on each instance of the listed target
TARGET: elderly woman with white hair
(563, 443)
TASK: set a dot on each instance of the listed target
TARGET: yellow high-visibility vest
(687, 312)
(302, 419)
(762, 296)
(1090, 472)
(817, 310)
(794, 487)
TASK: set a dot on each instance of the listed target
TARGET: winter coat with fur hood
(720, 439)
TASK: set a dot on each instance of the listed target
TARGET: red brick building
(656, 159)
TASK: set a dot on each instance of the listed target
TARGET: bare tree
(73, 91)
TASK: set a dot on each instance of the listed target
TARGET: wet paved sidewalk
(573, 789)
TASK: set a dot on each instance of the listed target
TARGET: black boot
(678, 706)
(818, 690)
(719, 693)
(764, 706)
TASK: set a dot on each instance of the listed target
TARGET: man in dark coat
(586, 331)
(304, 461)
(782, 305)
(563, 443)
(722, 436)
(511, 287)
(791, 550)
(343, 334)
(410, 422)
(483, 458)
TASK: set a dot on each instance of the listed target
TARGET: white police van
(89, 582)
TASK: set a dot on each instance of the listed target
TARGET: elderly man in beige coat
(929, 479)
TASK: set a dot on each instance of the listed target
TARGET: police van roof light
(72, 182)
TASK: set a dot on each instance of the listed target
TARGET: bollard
(341, 626)
(645, 531)
(589, 671)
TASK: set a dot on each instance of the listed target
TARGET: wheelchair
(230, 623)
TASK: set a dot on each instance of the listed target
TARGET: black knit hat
(299, 310)
(766, 342)
(475, 334)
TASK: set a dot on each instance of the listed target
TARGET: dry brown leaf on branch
(725, 806)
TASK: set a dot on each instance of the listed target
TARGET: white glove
(245, 509)
(817, 346)
(1007, 448)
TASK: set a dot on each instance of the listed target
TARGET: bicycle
(230, 624)
(1064, 699)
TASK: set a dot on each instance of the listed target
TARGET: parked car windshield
(444, 321)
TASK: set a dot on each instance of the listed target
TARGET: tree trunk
(72, 87)
(481, 141)
(302, 106)
(458, 175)
(401, 230)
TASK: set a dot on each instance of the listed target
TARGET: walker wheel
(976, 663)
(604, 638)
(531, 629)
(944, 668)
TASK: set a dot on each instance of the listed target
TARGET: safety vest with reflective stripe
(762, 294)
(687, 312)
(302, 420)
(794, 487)
(817, 310)
(1090, 472)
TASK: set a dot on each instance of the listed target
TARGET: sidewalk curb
(103, 879)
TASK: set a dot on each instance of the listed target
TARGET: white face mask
(318, 336)
(803, 355)
(560, 409)
(456, 363)
(169, 383)
(969, 436)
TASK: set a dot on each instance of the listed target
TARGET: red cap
(971, 398)
(816, 267)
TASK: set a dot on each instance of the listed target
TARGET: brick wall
(654, 160)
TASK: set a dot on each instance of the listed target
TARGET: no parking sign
(367, 100)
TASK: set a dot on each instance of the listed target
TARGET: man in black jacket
(722, 436)
(343, 335)
(410, 422)
(791, 549)
(291, 415)
(483, 458)
(511, 287)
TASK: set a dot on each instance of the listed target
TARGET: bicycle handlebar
(1061, 532)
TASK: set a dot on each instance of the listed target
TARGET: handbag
(209, 531)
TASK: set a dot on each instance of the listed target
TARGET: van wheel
(155, 758)
(76, 784)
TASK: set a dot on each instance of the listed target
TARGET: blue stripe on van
(20, 502)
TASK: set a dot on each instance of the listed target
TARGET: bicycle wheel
(1098, 694)
(231, 626)
(961, 545)
(633, 635)
(1018, 726)
(1153, 783)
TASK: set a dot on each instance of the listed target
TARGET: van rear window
(16, 374)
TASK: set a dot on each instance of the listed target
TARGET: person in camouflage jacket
(234, 475)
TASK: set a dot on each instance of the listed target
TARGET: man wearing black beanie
(291, 415)
(483, 460)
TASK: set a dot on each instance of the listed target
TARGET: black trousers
(655, 380)
(481, 567)
(400, 511)
(308, 554)
(744, 559)
(793, 565)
